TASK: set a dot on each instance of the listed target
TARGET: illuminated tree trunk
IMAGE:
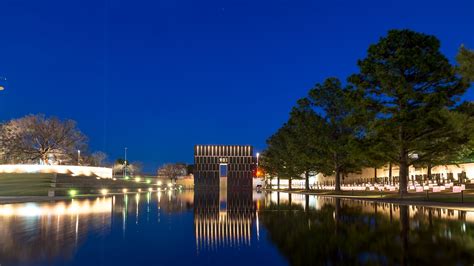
(375, 174)
(306, 175)
(390, 174)
(403, 175)
(338, 181)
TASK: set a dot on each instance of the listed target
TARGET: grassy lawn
(39, 184)
(25, 184)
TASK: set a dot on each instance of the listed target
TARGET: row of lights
(104, 191)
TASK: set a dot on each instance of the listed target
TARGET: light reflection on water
(187, 228)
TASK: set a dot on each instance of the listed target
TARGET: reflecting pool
(186, 228)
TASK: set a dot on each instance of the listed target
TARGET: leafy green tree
(307, 129)
(339, 137)
(449, 140)
(408, 81)
(280, 156)
(465, 121)
(465, 59)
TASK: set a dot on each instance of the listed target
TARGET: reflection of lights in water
(222, 230)
(258, 227)
(158, 195)
(137, 199)
(60, 208)
(77, 228)
(387, 209)
(148, 197)
(124, 213)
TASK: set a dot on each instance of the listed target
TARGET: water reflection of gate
(216, 227)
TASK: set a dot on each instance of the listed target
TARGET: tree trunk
(278, 182)
(428, 172)
(289, 183)
(403, 174)
(306, 175)
(44, 157)
(390, 174)
(375, 174)
(338, 181)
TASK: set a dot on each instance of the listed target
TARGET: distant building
(223, 167)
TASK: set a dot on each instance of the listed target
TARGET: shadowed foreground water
(183, 228)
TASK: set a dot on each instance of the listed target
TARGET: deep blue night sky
(161, 76)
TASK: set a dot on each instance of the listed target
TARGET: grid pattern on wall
(238, 158)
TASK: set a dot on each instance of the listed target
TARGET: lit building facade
(224, 167)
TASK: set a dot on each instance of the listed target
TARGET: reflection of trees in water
(342, 233)
(47, 237)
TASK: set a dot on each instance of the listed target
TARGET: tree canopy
(36, 137)
(402, 107)
(465, 59)
(409, 83)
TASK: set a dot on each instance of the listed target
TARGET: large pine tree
(408, 82)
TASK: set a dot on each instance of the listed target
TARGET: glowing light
(104, 191)
(170, 184)
(27, 210)
(72, 193)
(124, 190)
(74, 170)
(150, 189)
(139, 190)
(137, 179)
(148, 181)
(127, 178)
(159, 183)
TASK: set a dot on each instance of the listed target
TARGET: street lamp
(258, 155)
(78, 157)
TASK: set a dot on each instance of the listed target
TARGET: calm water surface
(183, 228)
